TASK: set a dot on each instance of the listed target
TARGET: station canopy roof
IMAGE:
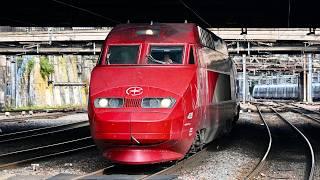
(208, 13)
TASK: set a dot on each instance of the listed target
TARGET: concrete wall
(22, 86)
(2, 80)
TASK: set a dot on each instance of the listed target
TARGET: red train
(160, 91)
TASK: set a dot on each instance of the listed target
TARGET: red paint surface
(163, 133)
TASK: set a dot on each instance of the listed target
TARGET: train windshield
(123, 54)
(165, 55)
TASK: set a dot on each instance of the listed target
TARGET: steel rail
(316, 112)
(262, 162)
(306, 115)
(167, 171)
(42, 147)
(38, 155)
(45, 156)
(312, 167)
(180, 165)
(99, 172)
(38, 132)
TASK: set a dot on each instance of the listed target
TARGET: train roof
(160, 32)
(166, 33)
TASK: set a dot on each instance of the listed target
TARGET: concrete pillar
(300, 86)
(238, 47)
(3, 74)
(13, 67)
(304, 79)
(94, 48)
(309, 96)
(244, 78)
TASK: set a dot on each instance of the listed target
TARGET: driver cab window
(165, 55)
(123, 54)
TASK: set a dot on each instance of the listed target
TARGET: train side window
(224, 87)
(191, 56)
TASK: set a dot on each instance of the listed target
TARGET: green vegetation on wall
(86, 88)
(30, 66)
(19, 61)
(45, 67)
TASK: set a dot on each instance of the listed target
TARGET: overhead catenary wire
(194, 12)
(289, 12)
(87, 11)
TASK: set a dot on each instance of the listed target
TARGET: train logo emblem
(134, 91)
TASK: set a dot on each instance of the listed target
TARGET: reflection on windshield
(165, 55)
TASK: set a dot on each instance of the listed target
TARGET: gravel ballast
(78, 163)
(233, 156)
(58, 165)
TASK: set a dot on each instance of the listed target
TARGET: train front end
(139, 120)
(141, 107)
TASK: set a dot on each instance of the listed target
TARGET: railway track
(309, 110)
(147, 172)
(262, 162)
(303, 111)
(311, 128)
(51, 150)
(268, 162)
(10, 137)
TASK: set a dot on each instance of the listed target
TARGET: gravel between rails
(288, 158)
(233, 156)
(79, 163)
(311, 130)
(239, 152)
(37, 141)
(50, 167)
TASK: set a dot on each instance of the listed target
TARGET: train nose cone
(150, 128)
(132, 128)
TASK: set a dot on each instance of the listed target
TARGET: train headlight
(101, 103)
(115, 102)
(154, 103)
(166, 103)
(108, 102)
(149, 32)
(158, 102)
